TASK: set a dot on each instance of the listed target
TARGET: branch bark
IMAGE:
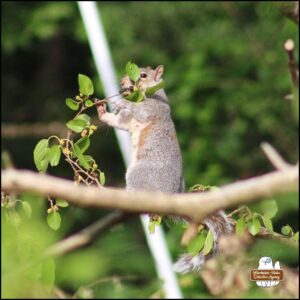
(194, 206)
(274, 157)
(289, 9)
(87, 235)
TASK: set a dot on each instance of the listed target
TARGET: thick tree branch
(195, 206)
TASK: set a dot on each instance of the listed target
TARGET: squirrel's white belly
(138, 134)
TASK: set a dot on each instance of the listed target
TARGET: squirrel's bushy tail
(220, 225)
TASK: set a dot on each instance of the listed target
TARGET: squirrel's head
(148, 78)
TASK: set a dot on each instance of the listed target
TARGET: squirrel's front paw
(118, 107)
(101, 108)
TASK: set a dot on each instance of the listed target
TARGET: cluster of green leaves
(252, 220)
(11, 203)
(27, 265)
(247, 220)
(138, 94)
(85, 167)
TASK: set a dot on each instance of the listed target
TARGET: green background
(226, 75)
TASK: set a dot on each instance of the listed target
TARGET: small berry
(66, 151)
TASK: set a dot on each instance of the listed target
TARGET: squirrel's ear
(158, 72)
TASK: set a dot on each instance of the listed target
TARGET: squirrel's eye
(143, 75)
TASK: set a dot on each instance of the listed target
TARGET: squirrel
(156, 162)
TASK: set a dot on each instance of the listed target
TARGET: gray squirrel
(156, 163)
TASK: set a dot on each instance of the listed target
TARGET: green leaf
(153, 223)
(240, 226)
(296, 236)
(269, 208)
(72, 104)
(102, 178)
(83, 144)
(14, 218)
(286, 230)
(85, 118)
(54, 154)
(61, 203)
(209, 242)
(133, 71)
(40, 155)
(268, 223)
(48, 273)
(136, 96)
(89, 159)
(196, 244)
(54, 220)
(86, 86)
(80, 156)
(27, 208)
(89, 103)
(76, 125)
(152, 227)
(153, 89)
(35, 271)
(44, 165)
(254, 226)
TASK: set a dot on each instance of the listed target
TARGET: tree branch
(289, 9)
(36, 130)
(274, 157)
(289, 47)
(86, 235)
(195, 206)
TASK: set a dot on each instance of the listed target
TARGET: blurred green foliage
(226, 78)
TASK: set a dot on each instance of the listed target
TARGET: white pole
(101, 54)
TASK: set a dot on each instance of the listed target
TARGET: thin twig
(97, 101)
(289, 47)
(87, 235)
(60, 294)
(74, 164)
(111, 278)
(274, 157)
(264, 233)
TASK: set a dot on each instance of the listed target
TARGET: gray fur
(157, 164)
(220, 225)
(160, 165)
